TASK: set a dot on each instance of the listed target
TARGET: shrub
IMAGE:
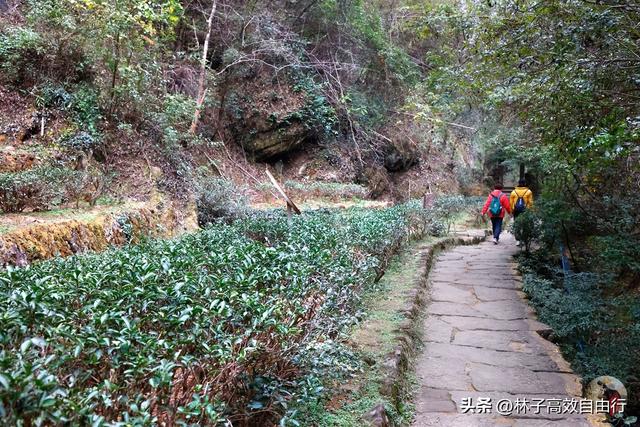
(80, 141)
(526, 228)
(53, 96)
(328, 189)
(85, 108)
(593, 320)
(317, 113)
(20, 48)
(80, 101)
(437, 228)
(217, 199)
(448, 208)
(87, 185)
(35, 189)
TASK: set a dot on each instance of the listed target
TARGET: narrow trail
(481, 341)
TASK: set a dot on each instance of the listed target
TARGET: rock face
(377, 181)
(400, 157)
(378, 417)
(43, 241)
(265, 115)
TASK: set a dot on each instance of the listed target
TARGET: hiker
(497, 204)
(520, 200)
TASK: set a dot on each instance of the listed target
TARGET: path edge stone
(398, 364)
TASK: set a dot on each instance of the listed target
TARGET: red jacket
(504, 201)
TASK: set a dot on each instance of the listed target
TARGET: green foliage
(35, 189)
(594, 321)
(19, 48)
(102, 338)
(53, 96)
(368, 109)
(79, 101)
(47, 186)
(329, 189)
(119, 41)
(448, 208)
(85, 108)
(317, 114)
(218, 198)
(367, 25)
(174, 118)
(618, 253)
(79, 141)
(526, 228)
(178, 110)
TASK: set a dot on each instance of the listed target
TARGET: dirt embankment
(28, 243)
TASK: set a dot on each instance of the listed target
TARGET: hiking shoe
(495, 241)
(518, 243)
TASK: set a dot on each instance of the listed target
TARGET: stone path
(481, 342)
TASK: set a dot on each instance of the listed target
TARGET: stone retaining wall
(43, 241)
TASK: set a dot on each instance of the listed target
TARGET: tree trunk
(202, 91)
(114, 74)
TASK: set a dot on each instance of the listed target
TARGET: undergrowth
(595, 321)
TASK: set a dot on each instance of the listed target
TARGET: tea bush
(526, 228)
(335, 190)
(226, 325)
(79, 101)
(219, 198)
(448, 208)
(36, 189)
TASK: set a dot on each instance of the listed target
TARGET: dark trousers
(496, 224)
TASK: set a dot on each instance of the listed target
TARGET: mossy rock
(267, 118)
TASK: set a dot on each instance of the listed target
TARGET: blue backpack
(496, 207)
(520, 205)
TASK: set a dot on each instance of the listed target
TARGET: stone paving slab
(446, 419)
(517, 341)
(535, 406)
(503, 310)
(519, 380)
(484, 293)
(444, 292)
(475, 323)
(482, 341)
(454, 309)
(460, 354)
(466, 280)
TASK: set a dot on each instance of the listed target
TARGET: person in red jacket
(496, 205)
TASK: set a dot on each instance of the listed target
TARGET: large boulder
(265, 115)
(377, 417)
(377, 181)
(400, 157)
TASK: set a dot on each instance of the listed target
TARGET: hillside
(154, 272)
(319, 92)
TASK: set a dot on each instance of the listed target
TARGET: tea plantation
(224, 325)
